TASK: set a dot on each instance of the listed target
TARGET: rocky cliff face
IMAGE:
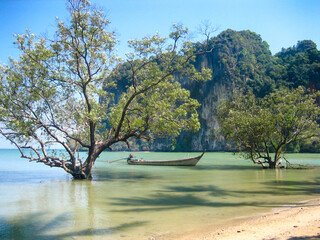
(237, 58)
(242, 59)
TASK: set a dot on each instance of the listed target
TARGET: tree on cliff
(60, 91)
(262, 128)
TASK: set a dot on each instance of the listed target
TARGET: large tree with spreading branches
(61, 91)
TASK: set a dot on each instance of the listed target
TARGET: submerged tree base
(81, 176)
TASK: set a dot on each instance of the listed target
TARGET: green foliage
(60, 91)
(243, 59)
(56, 82)
(301, 64)
(258, 127)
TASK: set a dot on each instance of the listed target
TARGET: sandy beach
(299, 221)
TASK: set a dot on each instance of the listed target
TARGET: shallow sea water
(142, 202)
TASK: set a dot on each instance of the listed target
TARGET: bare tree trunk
(272, 164)
(85, 171)
(80, 175)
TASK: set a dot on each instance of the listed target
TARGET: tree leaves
(60, 91)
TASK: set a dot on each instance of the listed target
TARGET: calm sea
(143, 202)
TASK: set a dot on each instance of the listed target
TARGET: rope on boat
(117, 160)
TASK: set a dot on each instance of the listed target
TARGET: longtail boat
(179, 162)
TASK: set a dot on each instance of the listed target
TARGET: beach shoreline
(293, 222)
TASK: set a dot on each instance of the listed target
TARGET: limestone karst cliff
(237, 59)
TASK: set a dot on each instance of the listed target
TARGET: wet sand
(299, 221)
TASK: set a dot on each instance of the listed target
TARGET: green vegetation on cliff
(239, 59)
(301, 66)
(242, 59)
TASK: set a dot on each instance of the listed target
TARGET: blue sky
(282, 23)
(279, 22)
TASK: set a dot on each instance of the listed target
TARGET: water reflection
(35, 226)
(58, 210)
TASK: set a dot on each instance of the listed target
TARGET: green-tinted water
(140, 202)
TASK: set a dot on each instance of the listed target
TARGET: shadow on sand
(306, 238)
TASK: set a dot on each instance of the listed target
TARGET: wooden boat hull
(180, 162)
